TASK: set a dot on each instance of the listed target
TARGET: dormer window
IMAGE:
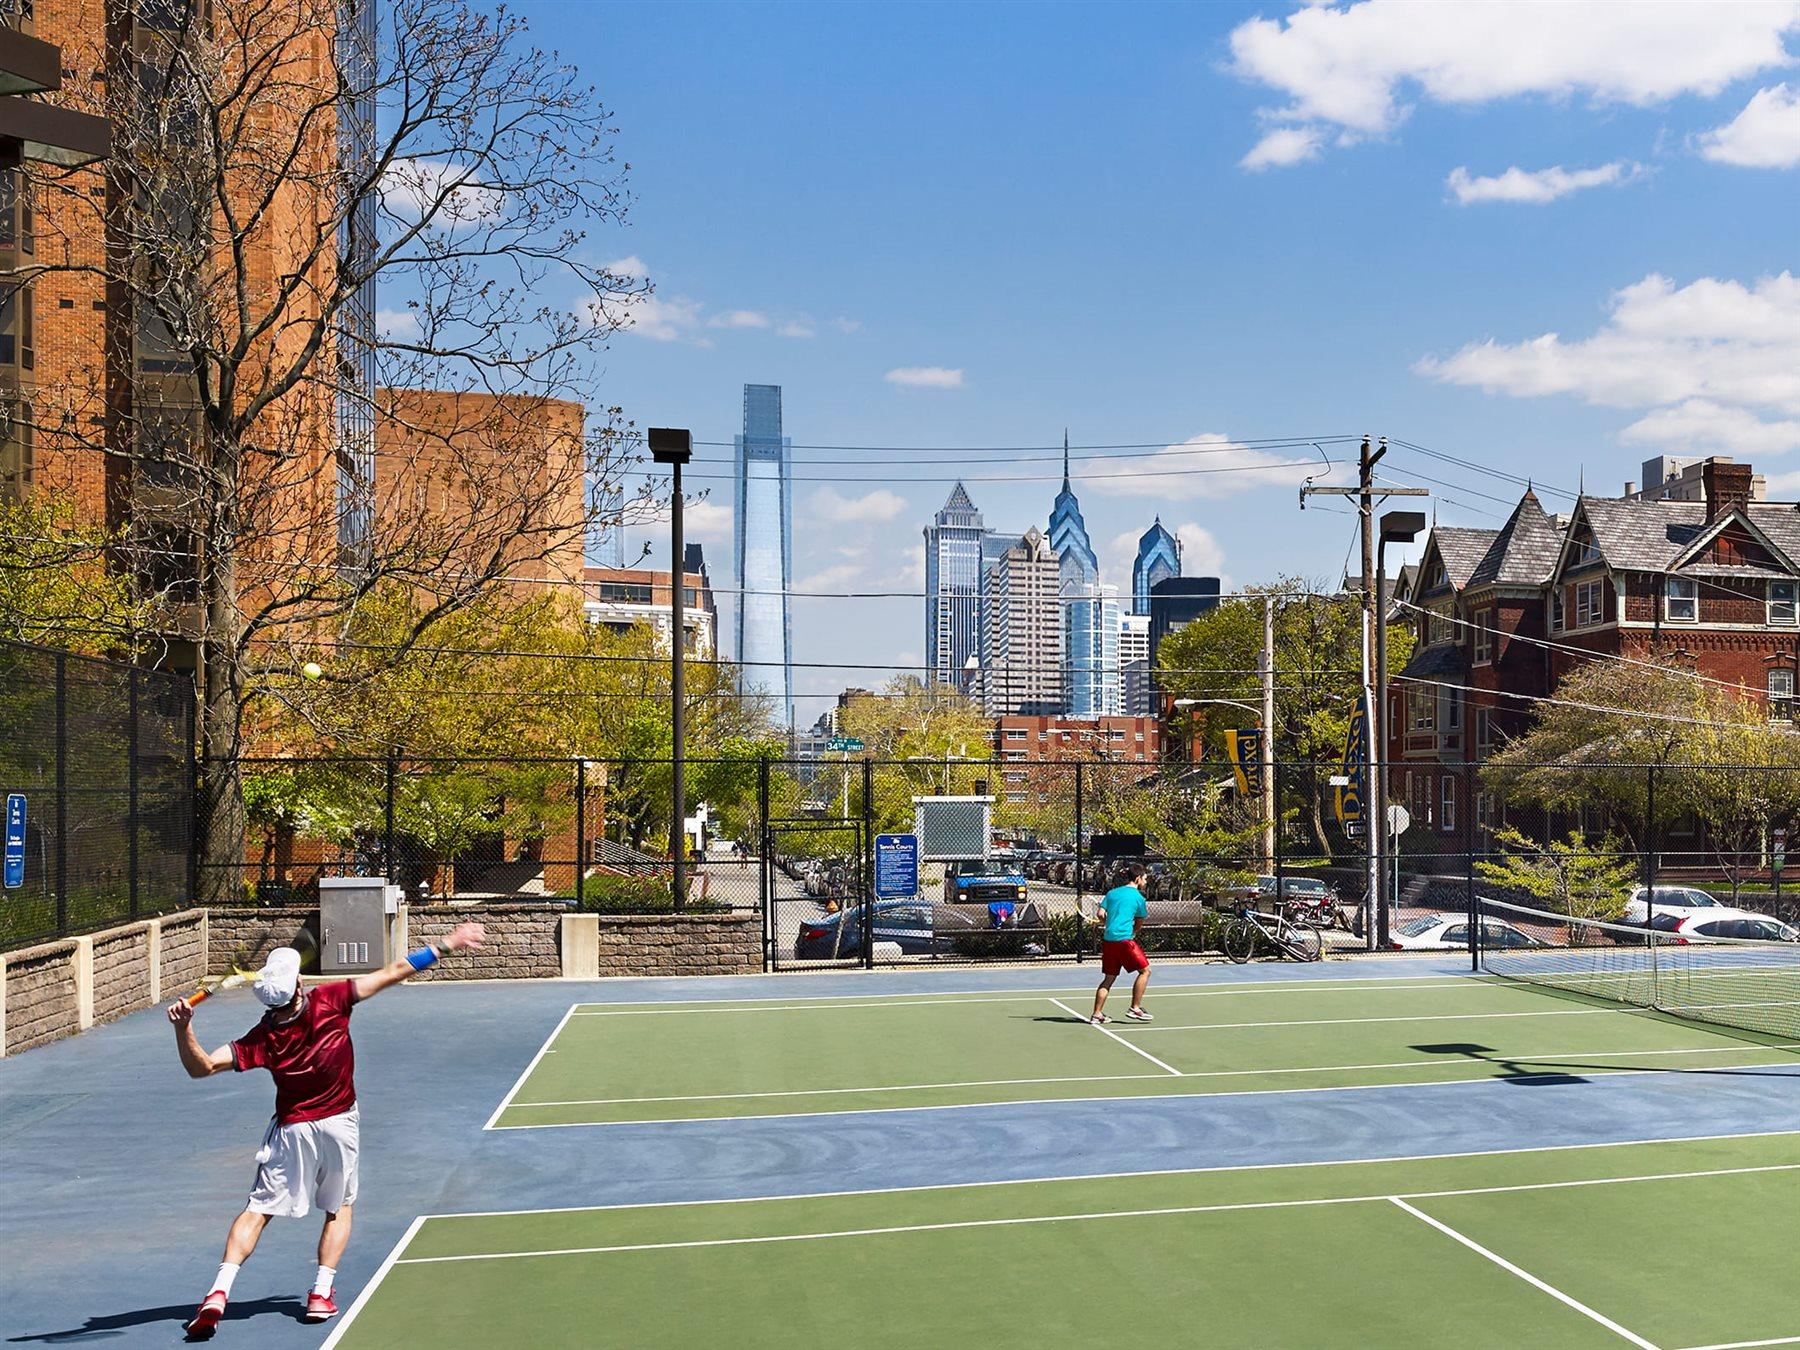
(1682, 600)
(1437, 576)
(1585, 551)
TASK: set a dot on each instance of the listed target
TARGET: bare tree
(274, 164)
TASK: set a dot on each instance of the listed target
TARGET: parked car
(1734, 923)
(1450, 932)
(915, 927)
(982, 883)
(1682, 900)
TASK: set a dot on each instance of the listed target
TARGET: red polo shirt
(310, 1058)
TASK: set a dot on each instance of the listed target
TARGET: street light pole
(675, 447)
(1397, 527)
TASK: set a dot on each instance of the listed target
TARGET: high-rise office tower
(1091, 619)
(1079, 574)
(1021, 660)
(1134, 665)
(953, 577)
(762, 549)
(609, 548)
(1158, 559)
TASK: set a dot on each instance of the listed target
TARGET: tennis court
(1558, 1248)
(618, 1063)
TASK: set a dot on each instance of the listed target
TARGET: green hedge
(606, 893)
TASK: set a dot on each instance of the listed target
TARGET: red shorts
(1126, 955)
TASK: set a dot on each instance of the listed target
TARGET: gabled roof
(1652, 536)
(1525, 550)
(1462, 550)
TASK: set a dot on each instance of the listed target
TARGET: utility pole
(1374, 691)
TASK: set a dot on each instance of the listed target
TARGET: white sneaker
(1099, 1020)
(1139, 1015)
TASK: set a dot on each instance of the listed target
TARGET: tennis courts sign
(15, 839)
(896, 866)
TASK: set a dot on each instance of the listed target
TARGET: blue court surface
(543, 1160)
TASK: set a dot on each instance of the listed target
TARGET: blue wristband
(422, 959)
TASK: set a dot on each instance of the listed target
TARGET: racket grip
(198, 997)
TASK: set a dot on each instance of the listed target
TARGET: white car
(1686, 901)
(1735, 923)
(1450, 932)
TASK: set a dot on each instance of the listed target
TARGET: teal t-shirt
(1124, 905)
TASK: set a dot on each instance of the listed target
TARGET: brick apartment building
(1694, 568)
(621, 597)
(1034, 751)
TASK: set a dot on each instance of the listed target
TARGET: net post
(764, 888)
(580, 832)
(865, 879)
(1080, 922)
(131, 789)
(1468, 805)
(1650, 872)
(62, 794)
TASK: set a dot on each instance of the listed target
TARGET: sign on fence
(896, 866)
(15, 839)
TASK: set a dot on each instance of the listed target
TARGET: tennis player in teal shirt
(1122, 913)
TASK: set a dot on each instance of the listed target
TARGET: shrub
(608, 893)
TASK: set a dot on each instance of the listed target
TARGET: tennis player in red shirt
(308, 1154)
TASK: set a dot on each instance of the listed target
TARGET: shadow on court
(114, 1324)
(1527, 1073)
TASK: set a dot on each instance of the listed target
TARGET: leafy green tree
(56, 587)
(1581, 877)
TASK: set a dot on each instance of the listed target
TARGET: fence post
(387, 821)
(194, 808)
(62, 794)
(131, 782)
(1080, 923)
(1650, 849)
(580, 832)
(865, 866)
(764, 864)
(1468, 805)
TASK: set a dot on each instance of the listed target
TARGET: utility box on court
(352, 924)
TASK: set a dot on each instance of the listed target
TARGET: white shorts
(312, 1162)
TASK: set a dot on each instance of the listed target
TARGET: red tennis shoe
(206, 1319)
(319, 1307)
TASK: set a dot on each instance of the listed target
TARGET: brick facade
(58, 988)
(680, 944)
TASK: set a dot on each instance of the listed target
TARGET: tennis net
(1749, 980)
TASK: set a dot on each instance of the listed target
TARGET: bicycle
(1248, 927)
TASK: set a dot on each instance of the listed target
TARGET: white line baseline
(1135, 1049)
(1085, 1217)
(519, 1082)
(1747, 1345)
(1525, 1275)
(1128, 1176)
(1430, 1017)
(387, 1264)
(1576, 1060)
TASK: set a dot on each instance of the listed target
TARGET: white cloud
(398, 325)
(629, 268)
(1201, 554)
(1351, 68)
(410, 187)
(738, 318)
(1714, 363)
(873, 508)
(846, 325)
(661, 320)
(1204, 466)
(836, 578)
(706, 522)
(1537, 185)
(1284, 146)
(796, 328)
(1765, 135)
(925, 377)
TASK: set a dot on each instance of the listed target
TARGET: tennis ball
(312, 670)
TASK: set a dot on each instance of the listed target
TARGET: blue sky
(1153, 223)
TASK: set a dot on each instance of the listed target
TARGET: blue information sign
(896, 866)
(15, 839)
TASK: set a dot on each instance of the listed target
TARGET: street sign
(844, 745)
(15, 839)
(896, 866)
(1399, 818)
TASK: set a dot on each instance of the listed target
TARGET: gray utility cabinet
(352, 924)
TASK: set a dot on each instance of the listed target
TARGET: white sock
(223, 1280)
(322, 1285)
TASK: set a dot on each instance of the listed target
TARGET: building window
(625, 592)
(1781, 603)
(1683, 600)
(1015, 733)
(1450, 709)
(1440, 630)
(1585, 551)
(1484, 637)
(1484, 733)
(18, 460)
(1556, 610)
(1781, 695)
(1447, 820)
(1423, 710)
(1590, 603)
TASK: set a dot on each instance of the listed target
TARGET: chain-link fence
(96, 763)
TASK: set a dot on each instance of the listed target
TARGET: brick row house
(1697, 569)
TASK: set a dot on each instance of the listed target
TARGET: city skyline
(762, 550)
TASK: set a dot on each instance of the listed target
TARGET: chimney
(1630, 487)
(1726, 485)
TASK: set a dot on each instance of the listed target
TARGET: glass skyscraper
(1158, 559)
(762, 549)
(1091, 616)
(1079, 577)
(954, 567)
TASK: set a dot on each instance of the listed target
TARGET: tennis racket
(242, 973)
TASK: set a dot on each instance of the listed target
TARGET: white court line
(387, 1264)
(1431, 1017)
(1017, 1221)
(519, 1082)
(918, 1001)
(1575, 1058)
(1525, 1275)
(1127, 1176)
(1135, 1049)
(1747, 1345)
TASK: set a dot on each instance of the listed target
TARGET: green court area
(1666, 1246)
(617, 1063)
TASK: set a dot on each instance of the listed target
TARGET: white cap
(279, 977)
